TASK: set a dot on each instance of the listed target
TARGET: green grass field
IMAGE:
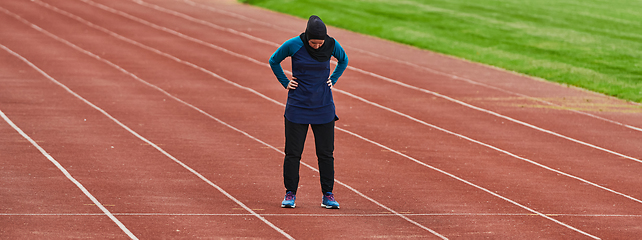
(593, 44)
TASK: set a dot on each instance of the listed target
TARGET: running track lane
(128, 16)
(595, 147)
(34, 192)
(173, 13)
(244, 171)
(146, 187)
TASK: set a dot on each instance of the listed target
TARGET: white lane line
(367, 73)
(139, 136)
(59, 166)
(336, 89)
(203, 22)
(495, 148)
(354, 134)
(450, 75)
(453, 76)
(501, 116)
(223, 123)
(474, 185)
(333, 214)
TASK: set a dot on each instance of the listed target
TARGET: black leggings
(324, 143)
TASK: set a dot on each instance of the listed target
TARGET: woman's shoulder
(295, 41)
(290, 46)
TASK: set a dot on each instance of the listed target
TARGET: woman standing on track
(309, 103)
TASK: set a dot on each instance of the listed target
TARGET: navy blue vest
(311, 102)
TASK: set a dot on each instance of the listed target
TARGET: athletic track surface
(161, 119)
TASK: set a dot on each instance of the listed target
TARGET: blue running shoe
(329, 202)
(288, 201)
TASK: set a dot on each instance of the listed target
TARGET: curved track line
(341, 91)
(52, 160)
(453, 76)
(351, 133)
(142, 139)
(390, 80)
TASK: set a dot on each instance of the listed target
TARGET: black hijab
(316, 30)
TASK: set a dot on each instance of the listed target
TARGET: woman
(309, 103)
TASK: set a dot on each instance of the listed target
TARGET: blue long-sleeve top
(311, 102)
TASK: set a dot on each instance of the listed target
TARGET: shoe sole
(288, 206)
(329, 207)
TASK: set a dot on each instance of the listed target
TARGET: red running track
(161, 120)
